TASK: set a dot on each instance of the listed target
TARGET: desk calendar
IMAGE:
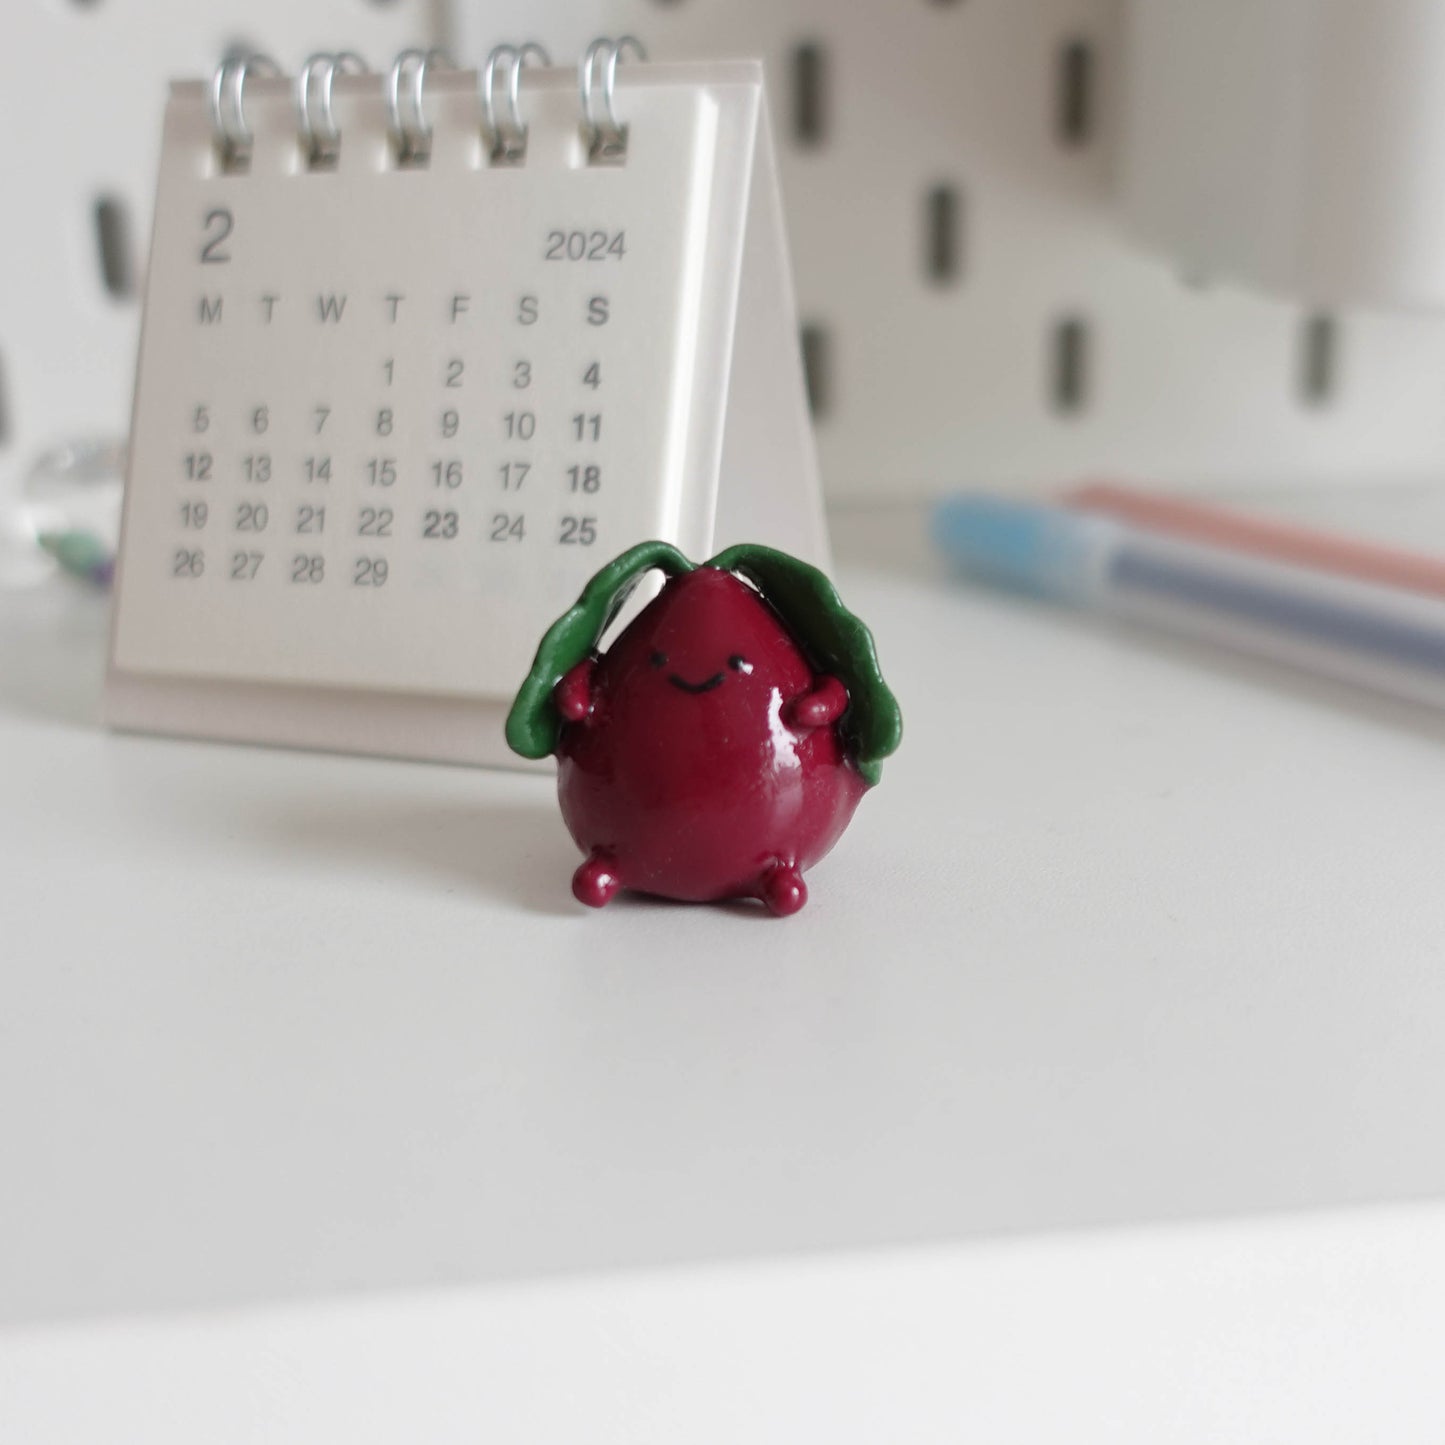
(421, 351)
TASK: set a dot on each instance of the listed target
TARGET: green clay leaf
(835, 640)
(533, 723)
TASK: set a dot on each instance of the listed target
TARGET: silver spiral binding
(320, 139)
(411, 132)
(606, 136)
(228, 107)
(506, 134)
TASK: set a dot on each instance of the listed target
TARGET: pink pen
(1236, 532)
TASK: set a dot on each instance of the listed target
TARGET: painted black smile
(706, 685)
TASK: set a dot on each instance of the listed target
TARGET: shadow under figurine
(719, 746)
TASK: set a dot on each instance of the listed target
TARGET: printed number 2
(222, 223)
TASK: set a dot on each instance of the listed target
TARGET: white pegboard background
(923, 384)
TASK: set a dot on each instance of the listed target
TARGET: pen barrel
(1362, 633)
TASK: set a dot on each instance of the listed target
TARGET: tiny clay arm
(825, 704)
(573, 694)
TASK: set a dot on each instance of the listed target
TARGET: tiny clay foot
(782, 889)
(595, 881)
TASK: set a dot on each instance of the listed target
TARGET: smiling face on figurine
(704, 755)
(708, 652)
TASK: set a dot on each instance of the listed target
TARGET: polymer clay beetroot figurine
(719, 746)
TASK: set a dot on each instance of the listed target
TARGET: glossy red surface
(701, 758)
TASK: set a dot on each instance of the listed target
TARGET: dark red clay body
(720, 745)
(699, 757)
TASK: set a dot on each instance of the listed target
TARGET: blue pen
(1365, 633)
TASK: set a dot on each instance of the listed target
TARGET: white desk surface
(1130, 933)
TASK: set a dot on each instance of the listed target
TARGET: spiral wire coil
(234, 137)
(411, 131)
(606, 136)
(320, 138)
(503, 126)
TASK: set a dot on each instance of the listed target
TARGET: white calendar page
(389, 420)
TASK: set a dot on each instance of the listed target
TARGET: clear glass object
(65, 515)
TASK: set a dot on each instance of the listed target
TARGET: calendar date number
(577, 531)
(585, 246)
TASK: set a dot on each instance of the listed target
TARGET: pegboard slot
(810, 94)
(1319, 359)
(818, 369)
(943, 234)
(113, 247)
(1074, 104)
(1069, 380)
